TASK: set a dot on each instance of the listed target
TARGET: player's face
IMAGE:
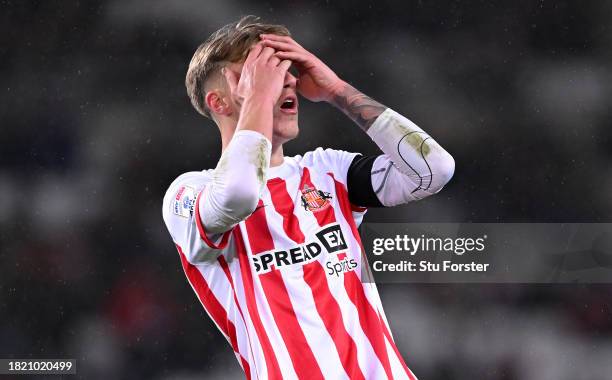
(285, 126)
(285, 122)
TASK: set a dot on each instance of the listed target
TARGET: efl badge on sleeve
(314, 200)
(184, 201)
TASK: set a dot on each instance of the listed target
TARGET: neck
(276, 156)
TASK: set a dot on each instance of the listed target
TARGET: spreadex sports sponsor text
(329, 239)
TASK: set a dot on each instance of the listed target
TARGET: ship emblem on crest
(314, 200)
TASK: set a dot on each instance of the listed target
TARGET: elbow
(447, 168)
(235, 196)
(241, 202)
(224, 207)
(442, 171)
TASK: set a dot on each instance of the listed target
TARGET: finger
(294, 56)
(284, 66)
(231, 77)
(279, 45)
(266, 53)
(254, 53)
(274, 61)
(276, 37)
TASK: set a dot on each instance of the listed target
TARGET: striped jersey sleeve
(181, 215)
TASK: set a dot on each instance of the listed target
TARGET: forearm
(256, 114)
(414, 164)
(359, 107)
(237, 182)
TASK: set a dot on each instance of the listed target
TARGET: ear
(217, 103)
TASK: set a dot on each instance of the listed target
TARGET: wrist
(257, 114)
(257, 104)
(337, 91)
(259, 99)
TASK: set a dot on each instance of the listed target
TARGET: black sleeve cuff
(359, 182)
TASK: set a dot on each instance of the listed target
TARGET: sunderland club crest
(314, 200)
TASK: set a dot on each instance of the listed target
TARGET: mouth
(289, 105)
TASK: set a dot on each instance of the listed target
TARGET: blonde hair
(231, 43)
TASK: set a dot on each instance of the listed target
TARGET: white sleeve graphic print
(414, 165)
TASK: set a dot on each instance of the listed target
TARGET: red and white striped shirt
(286, 286)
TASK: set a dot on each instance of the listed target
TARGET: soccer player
(270, 243)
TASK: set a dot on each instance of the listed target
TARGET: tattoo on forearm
(362, 109)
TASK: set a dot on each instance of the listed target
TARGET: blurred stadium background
(96, 124)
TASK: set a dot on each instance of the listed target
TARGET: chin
(285, 130)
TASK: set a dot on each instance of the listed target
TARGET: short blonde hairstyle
(229, 44)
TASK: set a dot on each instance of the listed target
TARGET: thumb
(284, 66)
(231, 78)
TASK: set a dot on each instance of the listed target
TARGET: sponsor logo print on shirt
(184, 201)
(340, 264)
(328, 240)
(314, 200)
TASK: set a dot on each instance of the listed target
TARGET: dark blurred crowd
(96, 124)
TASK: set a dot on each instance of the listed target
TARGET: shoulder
(184, 188)
(336, 162)
(330, 158)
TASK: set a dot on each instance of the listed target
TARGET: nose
(290, 80)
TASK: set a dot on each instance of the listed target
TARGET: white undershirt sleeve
(413, 166)
(237, 182)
